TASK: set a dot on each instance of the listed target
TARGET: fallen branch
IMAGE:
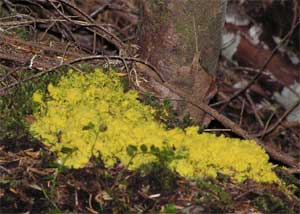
(237, 129)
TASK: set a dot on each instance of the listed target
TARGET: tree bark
(172, 36)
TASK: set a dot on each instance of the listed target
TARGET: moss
(91, 115)
(269, 203)
(213, 195)
(153, 174)
(159, 7)
(170, 208)
(17, 104)
(165, 112)
(292, 183)
(22, 33)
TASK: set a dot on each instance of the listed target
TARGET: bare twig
(28, 22)
(268, 123)
(254, 110)
(278, 122)
(242, 112)
(102, 31)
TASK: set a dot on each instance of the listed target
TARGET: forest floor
(40, 40)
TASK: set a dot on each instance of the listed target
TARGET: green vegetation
(271, 204)
(23, 33)
(214, 195)
(17, 106)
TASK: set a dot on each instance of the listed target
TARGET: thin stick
(252, 104)
(279, 121)
(242, 112)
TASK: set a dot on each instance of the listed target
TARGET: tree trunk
(172, 36)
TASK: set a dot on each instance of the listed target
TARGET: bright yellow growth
(91, 115)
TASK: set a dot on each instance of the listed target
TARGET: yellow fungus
(91, 115)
